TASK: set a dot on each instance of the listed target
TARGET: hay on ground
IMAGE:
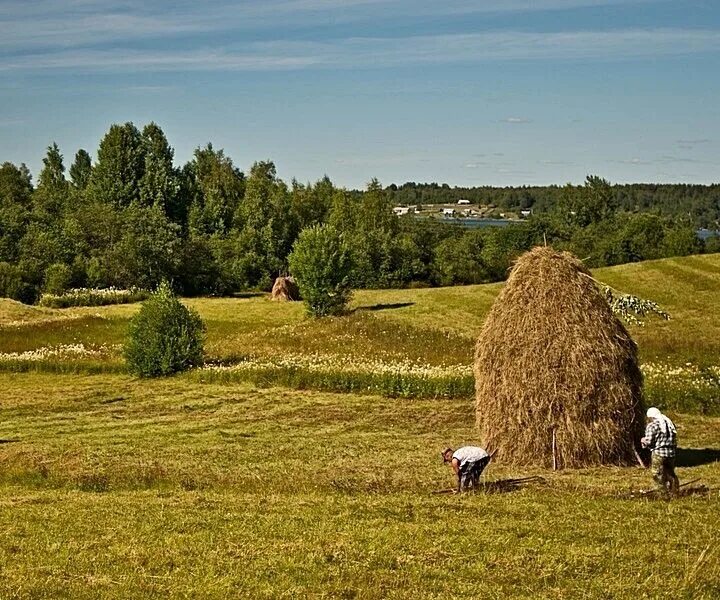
(557, 376)
(285, 290)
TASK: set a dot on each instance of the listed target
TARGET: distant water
(474, 223)
(704, 234)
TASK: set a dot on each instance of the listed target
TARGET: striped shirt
(660, 441)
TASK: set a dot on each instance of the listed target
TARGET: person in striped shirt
(468, 463)
(661, 438)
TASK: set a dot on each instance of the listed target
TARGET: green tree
(15, 197)
(159, 184)
(115, 179)
(321, 264)
(165, 337)
(216, 189)
(80, 170)
(149, 250)
(11, 283)
(311, 203)
(57, 279)
(51, 195)
(459, 259)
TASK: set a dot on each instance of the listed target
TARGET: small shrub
(57, 279)
(165, 337)
(321, 264)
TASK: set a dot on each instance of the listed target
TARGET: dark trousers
(663, 472)
(470, 472)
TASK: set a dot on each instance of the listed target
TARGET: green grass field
(113, 487)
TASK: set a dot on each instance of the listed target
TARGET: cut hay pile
(285, 290)
(557, 378)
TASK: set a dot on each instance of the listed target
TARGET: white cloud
(515, 120)
(25, 25)
(383, 52)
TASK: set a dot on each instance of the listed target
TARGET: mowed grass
(112, 487)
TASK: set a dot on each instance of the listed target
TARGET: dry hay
(285, 290)
(557, 378)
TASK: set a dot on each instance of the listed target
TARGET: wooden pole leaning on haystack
(285, 290)
(557, 376)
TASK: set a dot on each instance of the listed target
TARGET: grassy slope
(433, 325)
(121, 488)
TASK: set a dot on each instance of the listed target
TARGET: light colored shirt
(469, 454)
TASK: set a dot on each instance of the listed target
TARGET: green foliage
(134, 218)
(165, 337)
(321, 264)
(148, 251)
(81, 169)
(159, 185)
(116, 176)
(58, 277)
(51, 194)
(11, 282)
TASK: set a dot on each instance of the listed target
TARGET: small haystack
(557, 377)
(285, 290)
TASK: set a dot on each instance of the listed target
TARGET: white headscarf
(665, 424)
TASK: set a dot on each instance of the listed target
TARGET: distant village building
(463, 202)
(403, 210)
(448, 212)
(525, 213)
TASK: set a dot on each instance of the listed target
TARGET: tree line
(132, 218)
(699, 204)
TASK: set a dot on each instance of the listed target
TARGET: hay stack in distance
(556, 372)
(285, 290)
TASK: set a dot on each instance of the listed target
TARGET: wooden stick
(689, 482)
(554, 450)
(639, 458)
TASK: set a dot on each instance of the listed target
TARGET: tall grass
(92, 297)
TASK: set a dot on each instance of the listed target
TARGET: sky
(492, 92)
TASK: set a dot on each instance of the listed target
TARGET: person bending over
(661, 438)
(468, 463)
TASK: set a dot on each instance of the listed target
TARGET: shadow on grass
(376, 307)
(243, 295)
(501, 486)
(694, 457)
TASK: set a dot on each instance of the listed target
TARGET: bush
(165, 337)
(321, 264)
(57, 279)
(11, 283)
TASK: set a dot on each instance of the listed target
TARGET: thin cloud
(26, 25)
(557, 163)
(382, 52)
(693, 142)
(515, 120)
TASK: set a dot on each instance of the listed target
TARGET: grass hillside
(391, 322)
(226, 482)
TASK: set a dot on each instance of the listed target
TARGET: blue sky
(494, 92)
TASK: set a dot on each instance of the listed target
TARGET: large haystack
(556, 373)
(285, 290)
